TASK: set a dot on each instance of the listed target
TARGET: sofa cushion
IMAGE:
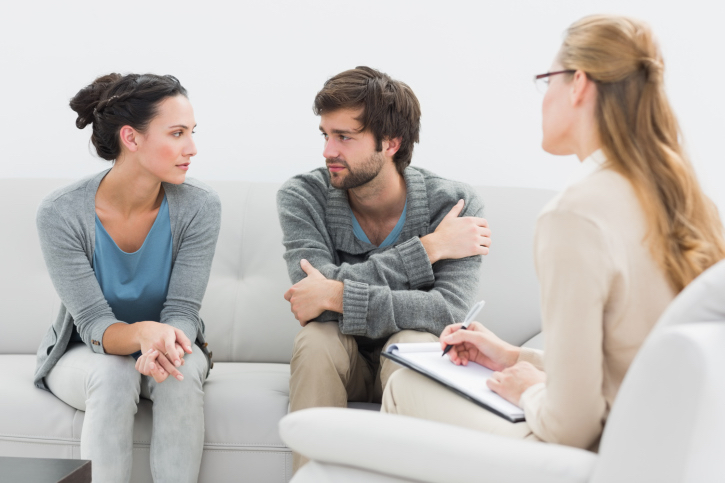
(257, 395)
(29, 413)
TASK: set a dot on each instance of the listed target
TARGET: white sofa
(249, 328)
(667, 424)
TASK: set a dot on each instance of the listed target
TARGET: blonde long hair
(640, 137)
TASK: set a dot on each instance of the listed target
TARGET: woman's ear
(129, 138)
(582, 87)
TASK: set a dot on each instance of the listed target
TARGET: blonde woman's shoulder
(604, 192)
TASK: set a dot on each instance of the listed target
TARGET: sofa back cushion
(246, 316)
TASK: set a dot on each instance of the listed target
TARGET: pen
(467, 321)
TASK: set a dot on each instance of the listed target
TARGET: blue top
(135, 284)
(390, 239)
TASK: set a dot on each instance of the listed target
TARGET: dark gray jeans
(108, 387)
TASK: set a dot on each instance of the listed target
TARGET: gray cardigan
(66, 227)
(386, 289)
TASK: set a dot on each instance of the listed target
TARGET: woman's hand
(170, 342)
(480, 345)
(148, 365)
(511, 383)
(152, 364)
(457, 237)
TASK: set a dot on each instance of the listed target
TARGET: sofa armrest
(427, 451)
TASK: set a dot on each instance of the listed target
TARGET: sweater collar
(339, 216)
(589, 165)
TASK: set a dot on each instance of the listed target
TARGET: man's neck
(380, 199)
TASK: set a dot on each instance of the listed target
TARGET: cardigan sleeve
(191, 269)
(64, 250)
(574, 267)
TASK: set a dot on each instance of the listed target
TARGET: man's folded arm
(377, 312)
(305, 236)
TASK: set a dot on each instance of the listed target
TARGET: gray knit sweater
(386, 289)
(66, 226)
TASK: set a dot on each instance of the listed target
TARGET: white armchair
(667, 423)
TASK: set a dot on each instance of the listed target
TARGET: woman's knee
(114, 378)
(194, 372)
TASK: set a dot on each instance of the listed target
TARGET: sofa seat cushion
(243, 404)
(29, 414)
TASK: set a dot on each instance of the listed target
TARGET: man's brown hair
(389, 108)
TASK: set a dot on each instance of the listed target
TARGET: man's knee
(317, 335)
(405, 336)
(321, 343)
(321, 349)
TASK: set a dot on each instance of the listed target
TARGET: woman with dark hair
(129, 251)
(611, 251)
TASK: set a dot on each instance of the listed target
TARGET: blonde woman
(611, 251)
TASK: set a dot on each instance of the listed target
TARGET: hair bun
(86, 100)
(653, 69)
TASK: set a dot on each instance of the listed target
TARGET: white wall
(253, 68)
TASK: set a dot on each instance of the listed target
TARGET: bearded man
(378, 252)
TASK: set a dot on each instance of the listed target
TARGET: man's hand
(314, 294)
(511, 383)
(458, 237)
(480, 345)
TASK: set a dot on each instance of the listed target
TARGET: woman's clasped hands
(480, 345)
(162, 350)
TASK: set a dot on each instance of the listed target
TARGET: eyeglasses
(542, 80)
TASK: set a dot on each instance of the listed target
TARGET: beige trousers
(412, 394)
(329, 368)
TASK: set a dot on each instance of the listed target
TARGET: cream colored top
(601, 294)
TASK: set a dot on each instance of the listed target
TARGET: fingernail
(180, 377)
(177, 362)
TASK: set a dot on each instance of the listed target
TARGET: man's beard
(363, 174)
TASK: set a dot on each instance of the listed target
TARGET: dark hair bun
(88, 98)
(114, 100)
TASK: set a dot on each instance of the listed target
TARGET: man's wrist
(335, 296)
(429, 245)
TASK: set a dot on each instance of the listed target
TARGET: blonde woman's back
(602, 292)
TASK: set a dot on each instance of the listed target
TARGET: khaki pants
(412, 394)
(328, 368)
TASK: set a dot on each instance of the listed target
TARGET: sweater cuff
(533, 356)
(529, 399)
(416, 262)
(354, 308)
(99, 328)
(187, 327)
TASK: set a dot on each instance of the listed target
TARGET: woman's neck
(128, 190)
